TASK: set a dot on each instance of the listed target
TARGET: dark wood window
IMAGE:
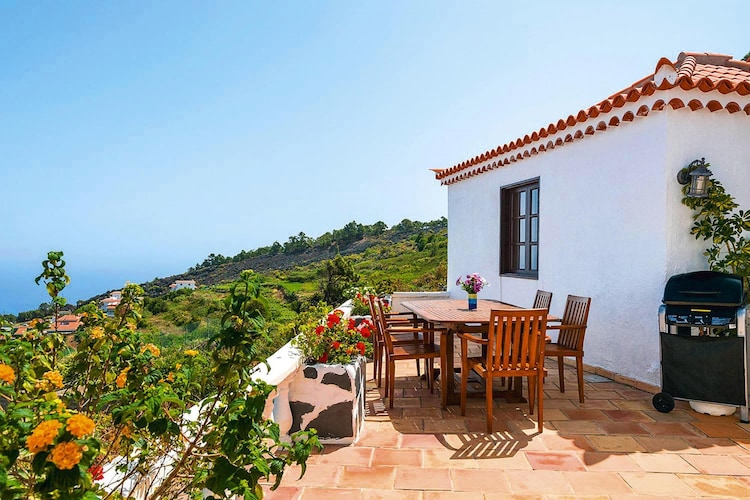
(519, 229)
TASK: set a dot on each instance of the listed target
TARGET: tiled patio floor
(615, 445)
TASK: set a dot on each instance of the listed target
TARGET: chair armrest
(472, 338)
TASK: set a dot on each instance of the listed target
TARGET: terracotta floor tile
(627, 416)
(555, 460)
(597, 483)
(578, 427)
(552, 414)
(444, 426)
(422, 479)
(421, 441)
(517, 461)
(378, 439)
(585, 414)
(389, 456)
(601, 404)
(558, 404)
(493, 480)
(717, 465)
(718, 486)
(447, 459)
(610, 462)
(313, 493)
(629, 428)
(724, 428)
(449, 495)
(315, 475)
(347, 456)
(408, 426)
(673, 416)
(664, 462)
(716, 446)
(626, 444)
(377, 494)
(421, 412)
(603, 395)
(282, 493)
(657, 484)
(538, 482)
(563, 442)
(671, 429)
(633, 405)
(669, 444)
(366, 477)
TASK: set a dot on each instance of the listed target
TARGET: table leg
(447, 373)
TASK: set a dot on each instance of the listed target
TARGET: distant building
(180, 284)
(67, 324)
(109, 304)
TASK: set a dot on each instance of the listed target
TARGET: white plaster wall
(611, 225)
(602, 218)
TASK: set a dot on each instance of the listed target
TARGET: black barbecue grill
(704, 348)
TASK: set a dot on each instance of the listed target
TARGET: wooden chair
(515, 348)
(570, 340)
(408, 324)
(396, 349)
(542, 300)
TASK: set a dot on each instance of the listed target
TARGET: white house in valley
(181, 284)
(601, 212)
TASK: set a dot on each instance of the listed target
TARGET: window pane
(522, 203)
(535, 201)
(522, 231)
(534, 229)
(534, 257)
(521, 258)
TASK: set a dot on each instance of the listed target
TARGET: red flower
(361, 347)
(334, 318)
(323, 358)
(352, 324)
(336, 344)
(97, 472)
(365, 332)
(320, 329)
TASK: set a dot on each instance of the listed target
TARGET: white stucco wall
(611, 226)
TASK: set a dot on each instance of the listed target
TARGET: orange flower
(7, 374)
(80, 425)
(43, 435)
(170, 377)
(54, 378)
(122, 378)
(66, 455)
(97, 332)
(152, 349)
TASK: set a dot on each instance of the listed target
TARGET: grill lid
(704, 287)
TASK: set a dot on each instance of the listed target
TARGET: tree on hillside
(335, 276)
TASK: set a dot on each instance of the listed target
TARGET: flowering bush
(473, 283)
(65, 417)
(335, 339)
(360, 301)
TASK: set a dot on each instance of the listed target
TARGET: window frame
(507, 218)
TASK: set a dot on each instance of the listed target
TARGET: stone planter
(331, 399)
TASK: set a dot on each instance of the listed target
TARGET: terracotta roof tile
(691, 71)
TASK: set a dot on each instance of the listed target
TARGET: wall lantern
(697, 174)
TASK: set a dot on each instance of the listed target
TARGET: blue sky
(138, 137)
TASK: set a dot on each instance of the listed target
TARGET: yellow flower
(151, 347)
(191, 352)
(7, 374)
(127, 431)
(54, 378)
(80, 425)
(122, 378)
(66, 455)
(97, 332)
(43, 435)
(170, 377)
(178, 366)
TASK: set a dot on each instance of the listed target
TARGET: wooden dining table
(452, 314)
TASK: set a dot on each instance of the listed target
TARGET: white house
(602, 213)
(180, 284)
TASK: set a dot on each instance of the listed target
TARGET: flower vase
(472, 301)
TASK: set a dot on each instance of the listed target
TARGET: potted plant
(360, 303)
(329, 392)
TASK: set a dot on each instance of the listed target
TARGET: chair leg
(430, 370)
(560, 371)
(391, 380)
(540, 404)
(464, 383)
(375, 360)
(531, 382)
(387, 373)
(488, 396)
(579, 369)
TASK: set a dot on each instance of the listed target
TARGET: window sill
(526, 276)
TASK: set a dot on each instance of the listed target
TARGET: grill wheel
(663, 402)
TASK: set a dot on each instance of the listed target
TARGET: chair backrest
(516, 340)
(542, 300)
(381, 327)
(576, 313)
